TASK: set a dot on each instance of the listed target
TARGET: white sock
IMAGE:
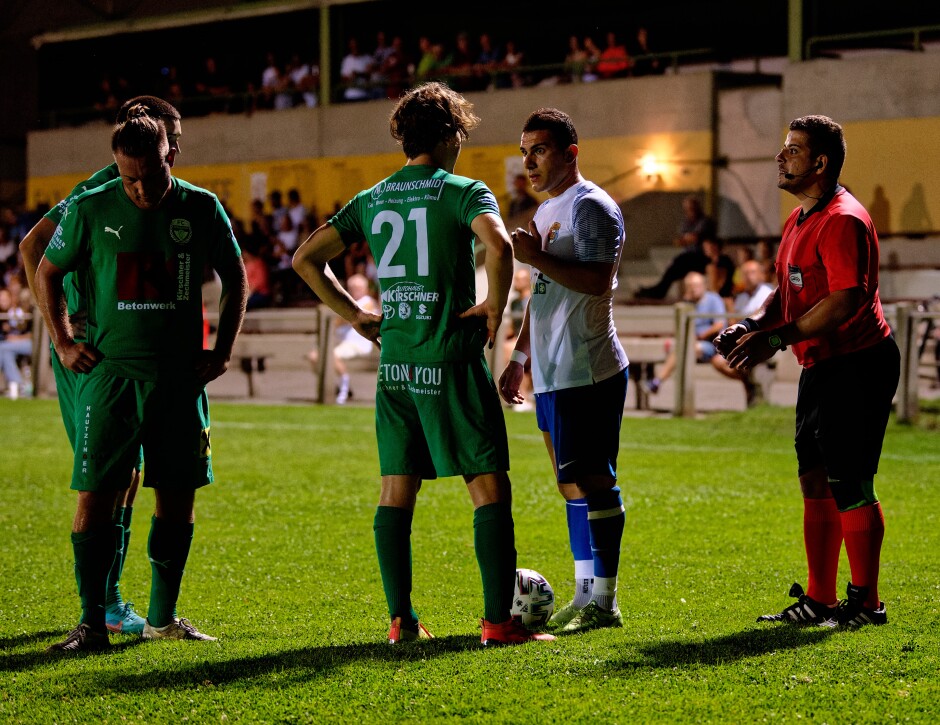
(583, 582)
(605, 592)
(13, 390)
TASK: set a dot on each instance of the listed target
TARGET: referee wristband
(750, 325)
(518, 356)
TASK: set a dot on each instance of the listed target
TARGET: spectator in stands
(350, 343)
(304, 79)
(260, 231)
(358, 260)
(106, 101)
(278, 210)
(355, 72)
(259, 278)
(706, 303)
(297, 212)
(522, 204)
(488, 61)
(614, 61)
(719, 269)
(379, 78)
(513, 61)
(8, 248)
(427, 61)
(576, 61)
(275, 85)
(460, 69)
(593, 56)
(17, 338)
(695, 227)
(746, 303)
(212, 88)
(398, 70)
(642, 64)
(766, 254)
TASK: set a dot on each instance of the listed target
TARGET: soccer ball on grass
(533, 599)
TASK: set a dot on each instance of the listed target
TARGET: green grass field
(283, 571)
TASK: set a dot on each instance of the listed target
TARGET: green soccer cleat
(593, 617)
(564, 615)
(177, 629)
(124, 620)
(81, 639)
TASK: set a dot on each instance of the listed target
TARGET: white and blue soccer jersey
(572, 334)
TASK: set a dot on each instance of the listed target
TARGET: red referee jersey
(832, 249)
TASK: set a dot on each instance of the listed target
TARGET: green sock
(94, 555)
(392, 528)
(494, 540)
(122, 538)
(168, 547)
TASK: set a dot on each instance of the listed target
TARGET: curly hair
(824, 137)
(429, 114)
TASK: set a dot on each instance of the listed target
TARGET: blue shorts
(584, 426)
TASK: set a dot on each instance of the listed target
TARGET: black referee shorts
(842, 410)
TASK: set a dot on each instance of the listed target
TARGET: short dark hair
(429, 114)
(557, 123)
(153, 107)
(824, 137)
(140, 135)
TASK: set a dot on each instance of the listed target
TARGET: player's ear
(171, 158)
(571, 153)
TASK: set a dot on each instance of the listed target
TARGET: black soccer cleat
(81, 639)
(854, 614)
(806, 612)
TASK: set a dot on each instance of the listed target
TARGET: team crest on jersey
(404, 310)
(795, 275)
(181, 231)
(553, 232)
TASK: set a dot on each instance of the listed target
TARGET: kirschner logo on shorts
(406, 298)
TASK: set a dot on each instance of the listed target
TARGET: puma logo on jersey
(115, 232)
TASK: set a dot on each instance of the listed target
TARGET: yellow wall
(325, 182)
(901, 157)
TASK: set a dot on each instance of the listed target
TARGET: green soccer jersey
(141, 273)
(417, 224)
(73, 294)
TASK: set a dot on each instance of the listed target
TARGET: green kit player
(138, 245)
(119, 615)
(437, 410)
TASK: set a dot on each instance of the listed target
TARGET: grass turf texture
(283, 571)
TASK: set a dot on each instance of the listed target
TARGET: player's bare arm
(823, 319)
(311, 262)
(80, 357)
(212, 363)
(498, 264)
(591, 278)
(510, 381)
(33, 246)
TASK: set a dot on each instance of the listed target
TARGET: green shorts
(439, 419)
(66, 387)
(116, 417)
